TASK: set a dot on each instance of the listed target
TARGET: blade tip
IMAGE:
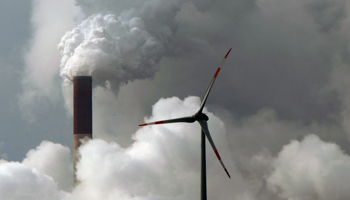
(228, 52)
(142, 124)
(227, 173)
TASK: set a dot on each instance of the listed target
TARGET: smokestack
(82, 89)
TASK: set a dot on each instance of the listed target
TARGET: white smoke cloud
(109, 49)
(311, 169)
(162, 163)
(282, 51)
(43, 174)
(53, 160)
(50, 20)
(21, 182)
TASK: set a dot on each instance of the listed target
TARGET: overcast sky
(279, 110)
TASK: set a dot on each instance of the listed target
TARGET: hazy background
(279, 110)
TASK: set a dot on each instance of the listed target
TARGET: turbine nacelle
(199, 116)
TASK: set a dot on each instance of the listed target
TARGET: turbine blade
(212, 82)
(182, 119)
(204, 126)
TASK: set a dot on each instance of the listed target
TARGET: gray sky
(283, 90)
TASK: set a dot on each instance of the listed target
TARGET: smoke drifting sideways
(109, 49)
(164, 163)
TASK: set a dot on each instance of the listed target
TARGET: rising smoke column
(50, 20)
(110, 50)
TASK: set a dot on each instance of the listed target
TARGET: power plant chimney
(82, 89)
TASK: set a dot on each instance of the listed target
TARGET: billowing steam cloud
(109, 49)
(41, 175)
(311, 169)
(164, 163)
(52, 160)
(21, 182)
(50, 20)
(289, 56)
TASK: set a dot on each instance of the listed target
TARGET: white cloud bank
(164, 163)
(39, 176)
(311, 169)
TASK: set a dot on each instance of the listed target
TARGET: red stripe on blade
(228, 53)
(142, 124)
(217, 71)
(217, 154)
(160, 122)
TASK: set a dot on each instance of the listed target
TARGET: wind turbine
(202, 119)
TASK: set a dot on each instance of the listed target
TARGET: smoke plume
(281, 102)
(109, 49)
(50, 20)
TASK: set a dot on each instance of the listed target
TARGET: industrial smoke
(110, 50)
(283, 98)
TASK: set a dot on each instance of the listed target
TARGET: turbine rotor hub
(200, 116)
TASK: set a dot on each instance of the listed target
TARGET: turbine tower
(202, 119)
